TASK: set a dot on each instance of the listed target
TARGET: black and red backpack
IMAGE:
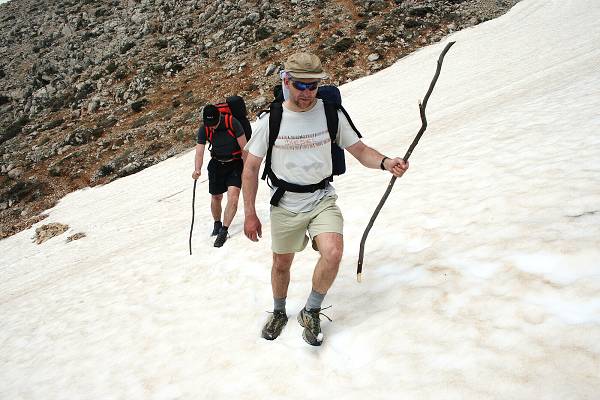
(233, 107)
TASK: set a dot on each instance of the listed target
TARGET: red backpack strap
(208, 132)
(229, 125)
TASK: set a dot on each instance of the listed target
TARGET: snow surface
(481, 276)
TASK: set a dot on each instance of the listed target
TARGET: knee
(217, 197)
(332, 255)
(233, 198)
(282, 262)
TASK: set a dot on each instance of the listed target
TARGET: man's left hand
(396, 166)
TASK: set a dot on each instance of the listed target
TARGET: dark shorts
(221, 175)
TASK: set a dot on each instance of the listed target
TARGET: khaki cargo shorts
(288, 229)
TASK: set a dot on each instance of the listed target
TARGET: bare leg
(215, 206)
(331, 247)
(280, 274)
(233, 195)
(280, 280)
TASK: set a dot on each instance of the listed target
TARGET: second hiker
(226, 138)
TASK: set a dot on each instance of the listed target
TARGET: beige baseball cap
(304, 65)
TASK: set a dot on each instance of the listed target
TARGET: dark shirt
(223, 145)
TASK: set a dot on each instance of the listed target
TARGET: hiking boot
(221, 238)
(311, 322)
(216, 228)
(274, 325)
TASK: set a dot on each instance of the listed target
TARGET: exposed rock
(49, 231)
(15, 173)
(138, 105)
(270, 69)
(77, 236)
(260, 102)
(94, 105)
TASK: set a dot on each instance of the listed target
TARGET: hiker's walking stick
(193, 202)
(406, 156)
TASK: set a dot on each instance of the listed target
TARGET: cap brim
(307, 75)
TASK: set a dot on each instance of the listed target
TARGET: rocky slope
(93, 90)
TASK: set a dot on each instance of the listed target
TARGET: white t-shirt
(302, 152)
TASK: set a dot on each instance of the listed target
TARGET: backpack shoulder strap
(208, 132)
(343, 110)
(332, 119)
(229, 125)
(331, 114)
(275, 114)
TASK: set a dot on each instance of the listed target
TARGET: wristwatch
(382, 160)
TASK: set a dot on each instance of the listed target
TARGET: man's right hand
(252, 227)
(196, 175)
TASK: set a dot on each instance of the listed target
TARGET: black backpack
(332, 102)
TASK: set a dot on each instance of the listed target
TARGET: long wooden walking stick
(193, 202)
(406, 156)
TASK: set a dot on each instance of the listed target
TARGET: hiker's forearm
(249, 189)
(367, 156)
(242, 143)
(250, 183)
(199, 158)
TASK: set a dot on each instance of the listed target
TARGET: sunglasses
(305, 85)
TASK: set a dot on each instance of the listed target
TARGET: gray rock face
(64, 44)
(94, 90)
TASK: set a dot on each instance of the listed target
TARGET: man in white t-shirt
(302, 156)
